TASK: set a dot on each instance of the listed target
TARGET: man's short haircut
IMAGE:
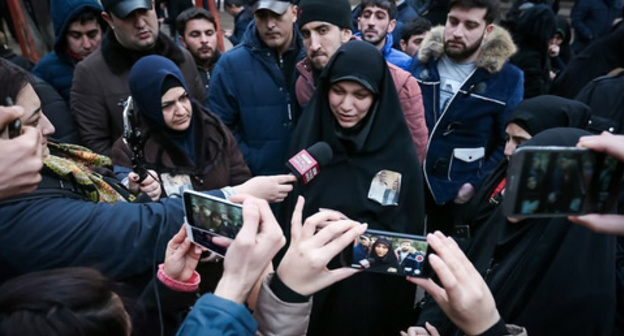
(237, 3)
(193, 13)
(388, 5)
(417, 26)
(491, 6)
(86, 15)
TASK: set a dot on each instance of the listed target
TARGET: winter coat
(56, 227)
(467, 139)
(409, 96)
(101, 85)
(592, 19)
(249, 93)
(241, 21)
(213, 315)
(57, 67)
(224, 167)
(393, 56)
(598, 59)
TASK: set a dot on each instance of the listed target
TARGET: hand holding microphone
(306, 164)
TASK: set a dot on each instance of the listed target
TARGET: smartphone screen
(560, 181)
(389, 253)
(209, 216)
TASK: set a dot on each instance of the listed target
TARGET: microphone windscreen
(321, 152)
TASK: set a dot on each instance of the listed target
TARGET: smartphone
(15, 128)
(389, 253)
(208, 216)
(561, 181)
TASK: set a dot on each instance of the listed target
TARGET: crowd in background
(421, 103)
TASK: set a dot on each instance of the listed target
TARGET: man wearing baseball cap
(252, 86)
(101, 80)
(326, 25)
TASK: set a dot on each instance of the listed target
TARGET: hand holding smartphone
(561, 181)
(389, 253)
(208, 217)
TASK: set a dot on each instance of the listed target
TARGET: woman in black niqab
(367, 303)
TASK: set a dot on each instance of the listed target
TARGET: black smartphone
(208, 216)
(15, 128)
(389, 253)
(561, 181)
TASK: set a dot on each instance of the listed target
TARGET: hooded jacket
(407, 89)
(249, 93)
(467, 139)
(57, 67)
(101, 86)
(592, 19)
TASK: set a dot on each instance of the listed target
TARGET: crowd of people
(422, 104)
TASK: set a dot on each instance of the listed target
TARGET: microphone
(306, 164)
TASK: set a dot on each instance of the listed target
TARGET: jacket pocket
(465, 162)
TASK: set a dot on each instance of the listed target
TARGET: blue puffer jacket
(57, 68)
(396, 57)
(251, 96)
(467, 140)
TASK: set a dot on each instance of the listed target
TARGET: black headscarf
(552, 276)
(381, 142)
(385, 262)
(549, 275)
(547, 111)
(536, 26)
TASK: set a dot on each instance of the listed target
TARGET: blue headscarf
(146, 80)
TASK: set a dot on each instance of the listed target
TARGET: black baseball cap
(121, 8)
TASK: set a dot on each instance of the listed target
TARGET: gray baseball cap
(275, 6)
(121, 8)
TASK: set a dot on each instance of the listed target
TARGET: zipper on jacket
(435, 126)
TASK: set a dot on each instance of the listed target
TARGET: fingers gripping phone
(561, 181)
(389, 253)
(208, 216)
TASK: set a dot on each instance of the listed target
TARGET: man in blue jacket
(78, 30)
(468, 90)
(376, 24)
(252, 86)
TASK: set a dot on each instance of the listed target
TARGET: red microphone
(306, 164)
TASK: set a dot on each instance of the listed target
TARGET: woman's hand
(181, 257)
(304, 267)
(272, 188)
(253, 249)
(150, 186)
(464, 296)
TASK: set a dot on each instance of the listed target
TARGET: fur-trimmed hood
(496, 49)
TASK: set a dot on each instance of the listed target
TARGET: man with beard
(468, 90)
(376, 24)
(326, 25)
(100, 84)
(198, 34)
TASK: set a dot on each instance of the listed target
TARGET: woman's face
(176, 107)
(34, 117)
(515, 136)
(349, 102)
(381, 250)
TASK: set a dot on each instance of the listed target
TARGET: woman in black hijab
(545, 274)
(357, 112)
(382, 257)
